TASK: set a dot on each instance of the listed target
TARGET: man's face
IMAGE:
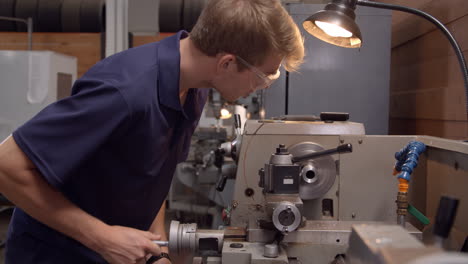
(233, 84)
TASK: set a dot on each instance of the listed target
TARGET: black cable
(453, 42)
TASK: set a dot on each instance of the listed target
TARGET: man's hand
(123, 245)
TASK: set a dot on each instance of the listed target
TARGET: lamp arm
(453, 42)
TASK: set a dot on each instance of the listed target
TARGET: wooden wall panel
(428, 90)
(439, 128)
(86, 47)
(431, 45)
(427, 94)
(141, 40)
(407, 26)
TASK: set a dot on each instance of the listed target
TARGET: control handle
(237, 124)
(445, 216)
(345, 148)
(221, 183)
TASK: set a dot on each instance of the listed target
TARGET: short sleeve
(64, 134)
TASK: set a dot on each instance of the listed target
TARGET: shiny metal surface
(182, 237)
(286, 217)
(186, 238)
(161, 243)
(323, 168)
(271, 251)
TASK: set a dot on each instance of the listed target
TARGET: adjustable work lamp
(336, 25)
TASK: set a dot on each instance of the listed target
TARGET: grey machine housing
(336, 194)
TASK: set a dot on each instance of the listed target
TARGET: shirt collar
(169, 70)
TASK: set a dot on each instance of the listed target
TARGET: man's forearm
(22, 184)
(29, 191)
(158, 226)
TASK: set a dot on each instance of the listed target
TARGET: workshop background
(426, 87)
(424, 92)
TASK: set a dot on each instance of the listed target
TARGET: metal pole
(29, 22)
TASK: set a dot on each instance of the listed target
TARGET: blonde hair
(250, 29)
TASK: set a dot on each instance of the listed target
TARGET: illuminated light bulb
(225, 114)
(333, 30)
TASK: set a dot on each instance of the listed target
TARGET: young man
(89, 173)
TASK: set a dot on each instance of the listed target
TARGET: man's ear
(224, 61)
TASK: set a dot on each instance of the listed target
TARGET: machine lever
(237, 124)
(445, 216)
(237, 121)
(221, 183)
(345, 148)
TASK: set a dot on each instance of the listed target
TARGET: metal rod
(14, 19)
(438, 24)
(345, 148)
(161, 243)
(439, 241)
(401, 220)
(30, 31)
(29, 24)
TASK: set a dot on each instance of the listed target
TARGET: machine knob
(282, 150)
(286, 217)
(271, 251)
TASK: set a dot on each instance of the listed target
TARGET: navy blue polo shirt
(111, 148)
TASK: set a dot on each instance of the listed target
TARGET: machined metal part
(282, 179)
(182, 237)
(185, 238)
(231, 149)
(286, 217)
(308, 173)
(271, 250)
(402, 208)
(280, 175)
(317, 175)
(161, 243)
(273, 201)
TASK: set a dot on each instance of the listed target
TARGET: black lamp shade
(336, 14)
